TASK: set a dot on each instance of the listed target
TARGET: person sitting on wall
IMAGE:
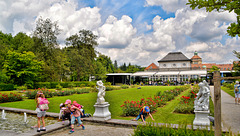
(143, 113)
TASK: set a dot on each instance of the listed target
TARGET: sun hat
(74, 102)
(147, 109)
(237, 82)
(68, 101)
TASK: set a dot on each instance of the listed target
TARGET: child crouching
(76, 114)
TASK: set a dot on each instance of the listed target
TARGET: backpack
(43, 105)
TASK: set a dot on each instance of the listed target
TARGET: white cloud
(197, 46)
(70, 19)
(116, 33)
(167, 5)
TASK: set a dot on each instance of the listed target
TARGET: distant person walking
(237, 92)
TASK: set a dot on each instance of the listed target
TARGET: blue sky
(137, 32)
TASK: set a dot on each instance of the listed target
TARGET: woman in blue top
(237, 93)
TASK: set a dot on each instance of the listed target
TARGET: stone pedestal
(101, 112)
(201, 118)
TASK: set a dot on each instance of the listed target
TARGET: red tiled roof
(196, 57)
(209, 65)
(152, 66)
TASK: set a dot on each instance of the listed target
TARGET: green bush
(71, 85)
(109, 88)
(53, 84)
(124, 86)
(42, 85)
(6, 87)
(59, 87)
(22, 87)
(107, 84)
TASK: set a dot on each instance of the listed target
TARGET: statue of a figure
(202, 100)
(101, 92)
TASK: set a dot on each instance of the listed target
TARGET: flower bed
(186, 104)
(132, 108)
(12, 97)
(48, 94)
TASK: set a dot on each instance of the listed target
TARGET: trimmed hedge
(48, 94)
(6, 87)
(51, 85)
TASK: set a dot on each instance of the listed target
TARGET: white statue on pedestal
(201, 105)
(101, 107)
(101, 92)
(202, 101)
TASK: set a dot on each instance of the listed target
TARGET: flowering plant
(12, 97)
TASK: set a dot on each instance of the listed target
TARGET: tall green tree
(22, 42)
(236, 64)
(132, 69)
(106, 62)
(214, 68)
(221, 5)
(22, 68)
(115, 64)
(81, 54)
(5, 45)
(45, 45)
(123, 67)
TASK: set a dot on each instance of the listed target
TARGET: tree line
(25, 59)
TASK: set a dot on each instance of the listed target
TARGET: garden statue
(101, 107)
(101, 92)
(201, 105)
(201, 102)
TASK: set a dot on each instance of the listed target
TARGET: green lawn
(229, 91)
(116, 98)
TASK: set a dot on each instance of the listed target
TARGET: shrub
(107, 84)
(42, 85)
(124, 86)
(133, 108)
(32, 94)
(71, 85)
(109, 88)
(6, 87)
(59, 87)
(22, 87)
(12, 97)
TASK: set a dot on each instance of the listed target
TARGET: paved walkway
(94, 130)
(230, 111)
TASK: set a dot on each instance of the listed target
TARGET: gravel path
(94, 130)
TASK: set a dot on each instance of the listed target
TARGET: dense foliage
(27, 60)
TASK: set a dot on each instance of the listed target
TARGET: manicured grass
(228, 91)
(165, 114)
(115, 98)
